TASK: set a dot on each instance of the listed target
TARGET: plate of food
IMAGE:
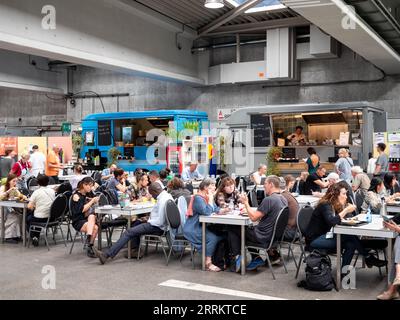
(354, 221)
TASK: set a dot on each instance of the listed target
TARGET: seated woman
(373, 198)
(40, 201)
(12, 217)
(329, 213)
(176, 187)
(78, 176)
(141, 188)
(391, 185)
(394, 276)
(202, 204)
(82, 211)
(228, 189)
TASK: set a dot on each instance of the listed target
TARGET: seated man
(154, 177)
(266, 214)
(156, 225)
(286, 184)
(108, 173)
(191, 172)
(314, 182)
(332, 178)
(259, 174)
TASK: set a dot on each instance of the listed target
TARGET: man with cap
(156, 225)
(53, 165)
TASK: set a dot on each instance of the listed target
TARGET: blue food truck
(136, 136)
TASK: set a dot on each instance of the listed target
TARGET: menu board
(262, 130)
(104, 133)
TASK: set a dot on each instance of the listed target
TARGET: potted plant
(113, 154)
(273, 155)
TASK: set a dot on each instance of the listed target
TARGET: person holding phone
(83, 215)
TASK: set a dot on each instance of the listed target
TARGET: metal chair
(77, 232)
(303, 220)
(178, 240)
(32, 182)
(56, 217)
(277, 235)
(253, 198)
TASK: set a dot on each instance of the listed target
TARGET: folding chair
(277, 235)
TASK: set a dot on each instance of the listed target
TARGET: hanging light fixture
(214, 4)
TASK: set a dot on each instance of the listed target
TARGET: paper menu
(344, 138)
(394, 136)
(394, 151)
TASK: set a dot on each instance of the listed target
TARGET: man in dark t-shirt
(314, 182)
(266, 215)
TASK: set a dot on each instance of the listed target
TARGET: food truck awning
(146, 114)
(241, 117)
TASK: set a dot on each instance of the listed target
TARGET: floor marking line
(211, 289)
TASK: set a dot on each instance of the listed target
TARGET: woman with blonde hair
(343, 165)
(22, 169)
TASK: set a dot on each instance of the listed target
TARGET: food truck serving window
(104, 133)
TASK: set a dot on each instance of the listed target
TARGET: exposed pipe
(237, 48)
(234, 44)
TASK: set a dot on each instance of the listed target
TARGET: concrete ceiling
(337, 19)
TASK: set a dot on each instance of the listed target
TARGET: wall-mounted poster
(8, 143)
(394, 136)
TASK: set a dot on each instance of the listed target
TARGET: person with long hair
(312, 161)
(140, 189)
(228, 188)
(12, 218)
(83, 215)
(330, 211)
(373, 198)
(202, 204)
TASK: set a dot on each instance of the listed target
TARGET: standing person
(83, 215)
(382, 162)
(6, 163)
(297, 137)
(343, 165)
(22, 170)
(12, 218)
(40, 201)
(312, 161)
(202, 204)
(53, 165)
(259, 174)
(38, 161)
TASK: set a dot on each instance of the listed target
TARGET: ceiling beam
(232, 14)
(270, 24)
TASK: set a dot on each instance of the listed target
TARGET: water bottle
(368, 218)
(383, 211)
(231, 205)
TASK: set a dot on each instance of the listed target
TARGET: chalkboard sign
(104, 133)
(289, 153)
(262, 130)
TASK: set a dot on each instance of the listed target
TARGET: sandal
(213, 268)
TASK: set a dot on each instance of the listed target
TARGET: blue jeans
(134, 235)
(349, 244)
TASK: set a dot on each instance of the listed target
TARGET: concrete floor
(79, 277)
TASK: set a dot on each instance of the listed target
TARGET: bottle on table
(368, 217)
(383, 211)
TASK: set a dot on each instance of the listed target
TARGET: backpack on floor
(318, 273)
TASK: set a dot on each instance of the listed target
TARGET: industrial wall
(349, 78)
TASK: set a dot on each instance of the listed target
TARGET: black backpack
(318, 273)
